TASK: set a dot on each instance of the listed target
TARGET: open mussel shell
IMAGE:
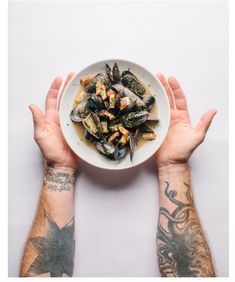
(127, 92)
(134, 119)
(131, 81)
(113, 75)
(75, 114)
(105, 148)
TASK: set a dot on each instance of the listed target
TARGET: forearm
(49, 250)
(181, 244)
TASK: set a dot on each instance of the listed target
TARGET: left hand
(47, 130)
(182, 138)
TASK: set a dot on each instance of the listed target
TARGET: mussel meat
(134, 119)
(131, 81)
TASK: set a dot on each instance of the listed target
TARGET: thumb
(38, 118)
(204, 124)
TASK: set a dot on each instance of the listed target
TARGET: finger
(69, 77)
(180, 100)
(51, 99)
(164, 83)
(38, 118)
(204, 123)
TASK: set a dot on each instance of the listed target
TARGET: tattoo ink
(182, 248)
(55, 250)
(58, 181)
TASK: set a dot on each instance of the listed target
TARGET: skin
(49, 250)
(177, 255)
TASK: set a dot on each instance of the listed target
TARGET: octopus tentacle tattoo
(182, 249)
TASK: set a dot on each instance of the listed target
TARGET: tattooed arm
(49, 250)
(50, 247)
(182, 247)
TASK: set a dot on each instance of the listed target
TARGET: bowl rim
(105, 61)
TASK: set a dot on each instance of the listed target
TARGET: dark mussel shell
(149, 101)
(120, 153)
(89, 136)
(95, 103)
(145, 128)
(91, 86)
(116, 74)
(109, 72)
(130, 81)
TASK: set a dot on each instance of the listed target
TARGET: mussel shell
(134, 119)
(120, 153)
(132, 146)
(95, 103)
(127, 92)
(149, 101)
(128, 72)
(129, 108)
(91, 86)
(145, 128)
(116, 73)
(108, 72)
(133, 84)
(89, 136)
(75, 114)
(105, 148)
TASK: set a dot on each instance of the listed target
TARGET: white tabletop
(116, 212)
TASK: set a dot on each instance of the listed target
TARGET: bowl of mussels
(114, 114)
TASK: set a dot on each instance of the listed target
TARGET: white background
(116, 212)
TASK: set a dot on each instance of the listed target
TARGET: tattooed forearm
(55, 250)
(182, 248)
(58, 181)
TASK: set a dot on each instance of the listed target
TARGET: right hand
(47, 131)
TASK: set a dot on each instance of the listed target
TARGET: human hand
(47, 130)
(182, 138)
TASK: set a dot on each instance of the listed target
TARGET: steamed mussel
(130, 81)
(114, 109)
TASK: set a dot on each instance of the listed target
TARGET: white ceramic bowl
(95, 158)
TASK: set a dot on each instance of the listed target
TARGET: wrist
(59, 178)
(60, 168)
(174, 173)
(162, 164)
